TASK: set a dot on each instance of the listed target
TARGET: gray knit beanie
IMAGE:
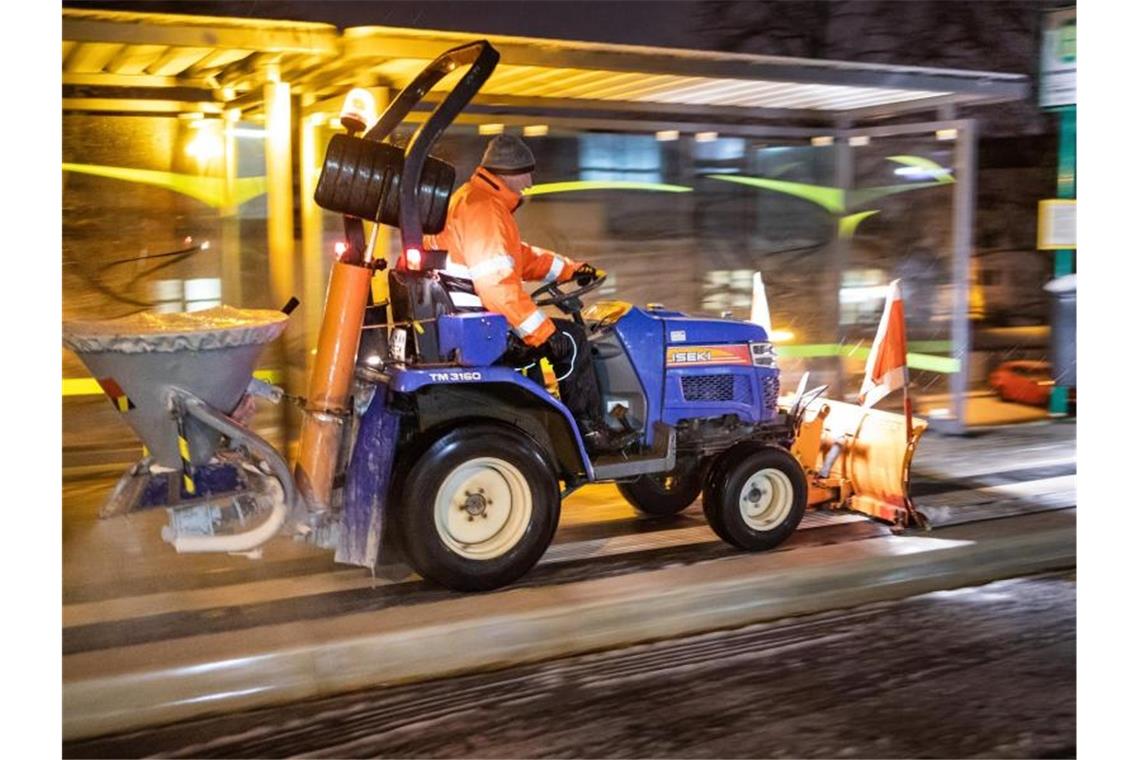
(508, 154)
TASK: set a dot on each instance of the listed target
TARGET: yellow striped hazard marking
(89, 386)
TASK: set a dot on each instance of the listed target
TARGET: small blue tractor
(418, 440)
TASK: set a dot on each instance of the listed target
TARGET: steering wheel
(569, 302)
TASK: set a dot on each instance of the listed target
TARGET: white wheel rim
(766, 499)
(483, 508)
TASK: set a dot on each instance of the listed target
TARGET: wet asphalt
(987, 671)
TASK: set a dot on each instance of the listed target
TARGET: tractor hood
(681, 329)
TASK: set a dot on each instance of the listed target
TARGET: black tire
(361, 177)
(664, 494)
(439, 554)
(780, 487)
(713, 481)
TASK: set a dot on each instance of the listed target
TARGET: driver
(487, 263)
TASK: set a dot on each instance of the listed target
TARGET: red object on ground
(1024, 382)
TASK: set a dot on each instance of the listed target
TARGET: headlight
(763, 354)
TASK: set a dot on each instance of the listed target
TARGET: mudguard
(368, 482)
(369, 477)
(411, 380)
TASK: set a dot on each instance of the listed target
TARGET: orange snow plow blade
(870, 471)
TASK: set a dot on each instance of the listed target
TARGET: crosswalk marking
(1046, 490)
(256, 592)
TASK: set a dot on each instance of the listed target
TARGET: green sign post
(1059, 93)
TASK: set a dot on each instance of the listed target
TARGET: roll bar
(482, 58)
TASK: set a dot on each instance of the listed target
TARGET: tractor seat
(419, 298)
(467, 337)
(416, 296)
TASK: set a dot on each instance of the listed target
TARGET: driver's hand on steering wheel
(587, 273)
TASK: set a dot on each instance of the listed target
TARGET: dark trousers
(579, 387)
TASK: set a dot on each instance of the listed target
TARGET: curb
(162, 682)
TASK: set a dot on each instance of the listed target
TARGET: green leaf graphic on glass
(839, 202)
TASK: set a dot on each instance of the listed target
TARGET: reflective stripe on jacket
(483, 246)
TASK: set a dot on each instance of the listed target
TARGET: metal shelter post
(312, 229)
(965, 158)
(841, 248)
(231, 224)
(279, 181)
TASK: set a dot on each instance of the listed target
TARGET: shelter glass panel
(160, 214)
(897, 221)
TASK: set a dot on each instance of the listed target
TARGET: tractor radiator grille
(707, 388)
(717, 388)
(771, 388)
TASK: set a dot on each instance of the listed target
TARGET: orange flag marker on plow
(886, 365)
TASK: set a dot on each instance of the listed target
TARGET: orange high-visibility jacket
(483, 245)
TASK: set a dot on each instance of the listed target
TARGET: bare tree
(976, 34)
(981, 35)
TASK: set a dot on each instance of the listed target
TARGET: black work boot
(601, 439)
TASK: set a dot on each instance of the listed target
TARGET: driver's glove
(587, 273)
(559, 348)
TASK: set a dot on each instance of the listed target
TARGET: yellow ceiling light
(536, 130)
(822, 141)
(946, 134)
(705, 136)
(859, 140)
(205, 146)
(666, 135)
(490, 129)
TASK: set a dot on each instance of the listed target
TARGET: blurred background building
(201, 137)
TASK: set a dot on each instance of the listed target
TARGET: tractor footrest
(662, 458)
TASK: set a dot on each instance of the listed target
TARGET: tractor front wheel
(479, 508)
(754, 499)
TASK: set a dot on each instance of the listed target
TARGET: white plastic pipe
(282, 501)
(239, 542)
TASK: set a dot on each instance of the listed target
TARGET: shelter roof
(149, 62)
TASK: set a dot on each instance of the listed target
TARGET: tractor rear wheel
(755, 498)
(479, 508)
(666, 493)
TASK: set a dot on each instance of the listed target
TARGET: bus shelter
(192, 147)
